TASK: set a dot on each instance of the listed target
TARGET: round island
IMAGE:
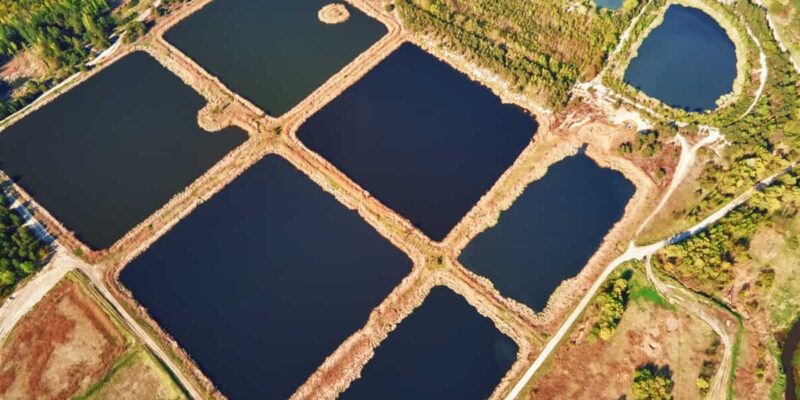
(334, 13)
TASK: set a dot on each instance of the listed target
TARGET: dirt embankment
(434, 263)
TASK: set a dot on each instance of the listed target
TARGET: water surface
(551, 230)
(443, 350)
(421, 137)
(264, 281)
(790, 348)
(609, 4)
(105, 155)
(687, 62)
(273, 52)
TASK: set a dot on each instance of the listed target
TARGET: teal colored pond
(273, 52)
(264, 281)
(105, 155)
(443, 350)
(551, 230)
(420, 137)
(609, 4)
(686, 62)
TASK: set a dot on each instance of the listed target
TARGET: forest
(61, 32)
(705, 261)
(21, 253)
(542, 48)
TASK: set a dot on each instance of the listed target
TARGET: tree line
(540, 47)
(61, 32)
(21, 252)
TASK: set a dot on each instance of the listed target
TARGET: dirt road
(685, 164)
(25, 297)
(698, 307)
(635, 252)
(96, 278)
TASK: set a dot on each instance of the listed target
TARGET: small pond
(421, 137)
(686, 62)
(105, 155)
(608, 4)
(443, 350)
(273, 52)
(551, 230)
(265, 280)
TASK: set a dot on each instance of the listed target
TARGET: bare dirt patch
(587, 367)
(20, 68)
(334, 13)
(60, 348)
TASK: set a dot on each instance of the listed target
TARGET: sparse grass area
(72, 342)
(137, 375)
(650, 331)
(58, 349)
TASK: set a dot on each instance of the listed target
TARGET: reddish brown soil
(60, 348)
(590, 368)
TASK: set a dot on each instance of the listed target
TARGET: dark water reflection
(264, 281)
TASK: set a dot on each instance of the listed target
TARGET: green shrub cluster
(652, 383)
(21, 253)
(611, 304)
(705, 260)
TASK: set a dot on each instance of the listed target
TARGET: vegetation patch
(137, 375)
(652, 383)
(21, 253)
(540, 47)
(705, 261)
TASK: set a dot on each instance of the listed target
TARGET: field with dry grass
(651, 331)
(72, 345)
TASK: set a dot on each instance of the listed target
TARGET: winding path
(763, 72)
(633, 252)
(696, 306)
(685, 163)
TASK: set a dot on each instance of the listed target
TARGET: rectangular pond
(105, 155)
(443, 350)
(273, 52)
(421, 137)
(551, 230)
(264, 281)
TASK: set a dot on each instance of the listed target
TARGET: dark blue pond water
(687, 62)
(110, 152)
(551, 231)
(273, 52)
(265, 280)
(443, 350)
(421, 137)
